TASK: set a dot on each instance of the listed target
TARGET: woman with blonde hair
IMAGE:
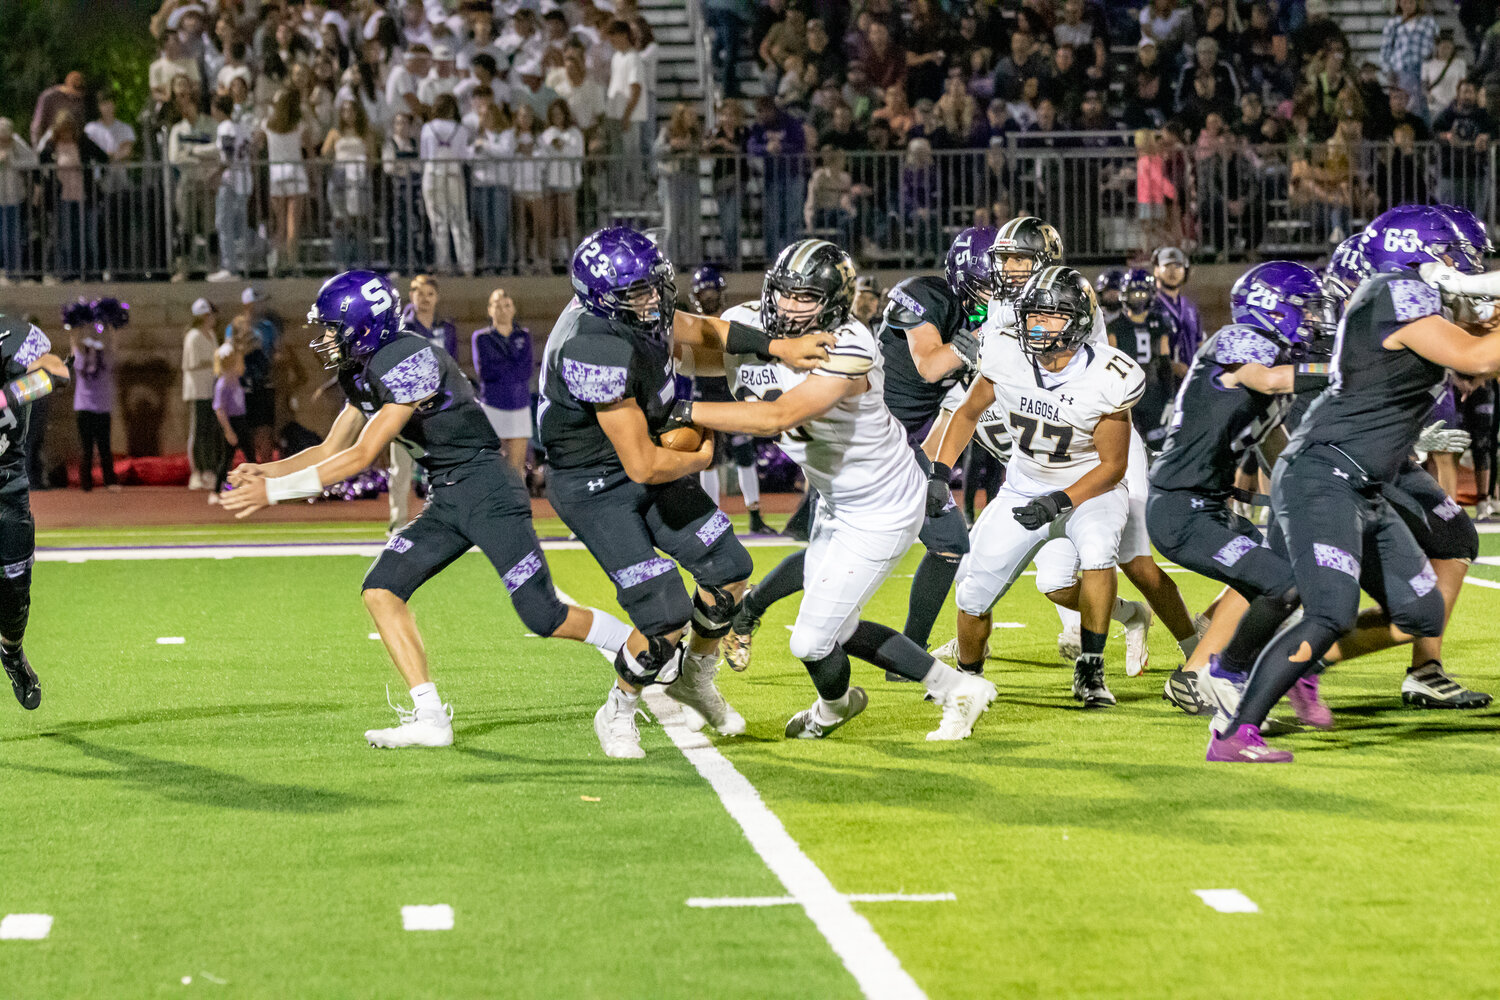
(491, 177)
(562, 140)
(529, 185)
(229, 403)
(351, 144)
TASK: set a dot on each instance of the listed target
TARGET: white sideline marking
(1227, 900)
(875, 968)
(715, 902)
(171, 640)
(1008, 624)
(1480, 582)
(375, 636)
(25, 926)
(427, 918)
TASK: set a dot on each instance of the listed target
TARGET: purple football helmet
(1284, 299)
(706, 279)
(615, 265)
(1137, 290)
(1408, 236)
(967, 268)
(1347, 268)
(361, 309)
(1476, 236)
(1111, 279)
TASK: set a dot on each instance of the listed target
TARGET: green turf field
(209, 810)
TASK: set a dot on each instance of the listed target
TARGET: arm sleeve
(1407, 300)
(409, 379)
(908, 309)
(1240, 346)
(595, 368)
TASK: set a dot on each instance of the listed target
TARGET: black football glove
(1043, 510)
(966, 345)
(939, 496)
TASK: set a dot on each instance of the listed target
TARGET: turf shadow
(164, 716)
(195, 784)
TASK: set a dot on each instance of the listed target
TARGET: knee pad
(1422, 617)
(809, 645)
(660, 663)
(711, 619)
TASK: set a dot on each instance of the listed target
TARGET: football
(688, 438)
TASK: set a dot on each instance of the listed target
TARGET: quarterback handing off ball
(688, 438)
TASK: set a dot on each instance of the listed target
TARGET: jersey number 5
(1025, 431)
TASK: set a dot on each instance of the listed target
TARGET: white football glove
(1439, 437)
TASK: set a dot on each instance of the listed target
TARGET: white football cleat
(809, 725)
(1137, 628)
(614, 724)
(948, 651)
(1069, 645)
(418, 728)
(962, 709)
(695, 690)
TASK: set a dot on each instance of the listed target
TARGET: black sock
(929, 589)
(830, 675)
(1090, 643)
(885, 647)
(1264, 616)
(1275, 673)
(783, 581)
(800, 523)
(976, 667)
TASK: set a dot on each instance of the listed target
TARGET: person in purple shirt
(503, 362)
(420, 318)
(1170, 265)
(93, 400)
(780, 140)
(229, 410)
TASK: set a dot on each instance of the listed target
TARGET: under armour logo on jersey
(1198, 503)
(1341, 473)
(1065, 400)
(596, 484)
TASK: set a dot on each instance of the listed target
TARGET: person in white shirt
(483, 84)
(443, 78)
(445, 144)
(584, 94)
(234, 139)
(563, 142)
(194, 157)
(522, 39)
(402, 81)
(198, 393)
(117, 140)
(493, 145)
(529, 188)
(17, 164)
(625, 123)
(1442, 73)
(833, 422)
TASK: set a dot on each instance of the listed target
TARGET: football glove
(939, 496)
(966, 345)
(1439, 437)
(1043, 510)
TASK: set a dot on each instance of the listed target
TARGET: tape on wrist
(297, 486)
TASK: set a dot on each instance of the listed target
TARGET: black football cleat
(758, 525)
(22, 678)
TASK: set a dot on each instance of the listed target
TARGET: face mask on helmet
(1011, 270)
(1044, 333)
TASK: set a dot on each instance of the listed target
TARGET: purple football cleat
(1244, 747)
(1310, 708)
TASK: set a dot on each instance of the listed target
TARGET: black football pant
(17, 553)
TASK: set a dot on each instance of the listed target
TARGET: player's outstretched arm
(960, 429)
(257, 491)
(343, 433)
(644, 460)
(711, 338)
(1447, 344)
(808, 401)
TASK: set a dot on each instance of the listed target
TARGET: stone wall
(150, 416)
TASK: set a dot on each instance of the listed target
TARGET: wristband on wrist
(1063, 501)
(297, 486)
(682, 412)
(941, 471)
(30, 388)
(744, 339)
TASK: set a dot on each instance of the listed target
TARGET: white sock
(624, 698)
(829, 712)
(709, 480)
(1071, 620)
(425, 698)
(942, 680)
(749, 485)
(607, 632)
(1188, 645)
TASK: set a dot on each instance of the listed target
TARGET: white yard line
(718, 902)
(106, 553)
(1227, 900)
(427, 918)
(25, 926)
(872, 964)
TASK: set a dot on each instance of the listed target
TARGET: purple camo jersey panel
(1333, 557)
(713, 528)
(517, 576)
(634, 576)
(1235, 550)
(1424, 581)
(414, 378)
(594, 383)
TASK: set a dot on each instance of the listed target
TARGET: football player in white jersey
(1024, 246)
(834, 423)
(1068, 405)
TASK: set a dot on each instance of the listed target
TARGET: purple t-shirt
(503, 364)
(442, 333)
(94, 378)
(229, 396)
(1187, 328)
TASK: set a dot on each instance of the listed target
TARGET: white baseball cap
(202, 307)
(251, 294)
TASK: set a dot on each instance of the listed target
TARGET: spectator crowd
(482, 136)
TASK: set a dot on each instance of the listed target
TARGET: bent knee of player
(380, 599)
(1422, 618)
(973, 596)
(813, 642)
(660, 607)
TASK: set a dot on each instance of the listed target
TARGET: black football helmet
(809, 267)
(1028, 237)
(1056, 291)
